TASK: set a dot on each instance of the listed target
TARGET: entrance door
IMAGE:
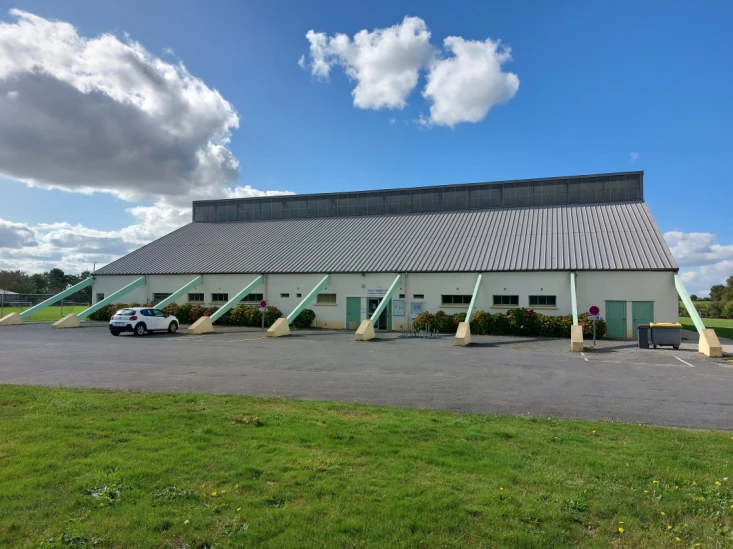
(642, 313)
(381, 322)
(353, 312)
(616, 319)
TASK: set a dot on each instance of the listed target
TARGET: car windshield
(126, 312)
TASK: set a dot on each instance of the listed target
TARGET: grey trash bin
(643, 336)
(666, 333)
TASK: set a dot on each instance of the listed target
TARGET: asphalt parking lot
(497, 374)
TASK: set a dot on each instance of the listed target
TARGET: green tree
(693, 297)
(716, 292)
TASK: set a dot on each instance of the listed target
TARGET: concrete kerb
(13, 319)
(69, 321)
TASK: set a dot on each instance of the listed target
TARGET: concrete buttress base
(201, 326)
(11, 320)
(365, 332)
(279, 328)
(576, 339)
(463, 334)
(710, 344)
(69, 321)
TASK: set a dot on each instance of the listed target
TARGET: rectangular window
(100, 297)
(542, 301)
(298, 295)
(196, 298)
(284, 295)
(402, 296)
(326, 299)
(254, 298)
(219, 297)
(160, 297)
(418, 296)
(506, 300)
(455, 299)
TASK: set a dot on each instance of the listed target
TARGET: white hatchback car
(139, 320)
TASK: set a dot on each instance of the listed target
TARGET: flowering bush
(304, 319)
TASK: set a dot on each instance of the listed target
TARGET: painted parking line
(684, 361)
(584, 357)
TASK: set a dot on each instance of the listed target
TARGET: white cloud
(15, 235)
(464, 86)
(633, 156)
(103, 114)
(703, 263)
(392, 121)
(385, 63)
(693, 249)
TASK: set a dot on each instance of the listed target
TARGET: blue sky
(602, 87)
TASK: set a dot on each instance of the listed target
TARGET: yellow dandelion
(677, 539)
(239, 509)
(694, 483)
(676, 487)
(501, 489)
(662, 513)
(646, 491)
(669, 527)
(620, 530)
(717, 483)
(213, 494)
(593, 432)
(655, 482)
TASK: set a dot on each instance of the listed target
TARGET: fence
(17, 303)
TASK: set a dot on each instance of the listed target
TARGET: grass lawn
(722, 326)
(49, 314)
(143, 470)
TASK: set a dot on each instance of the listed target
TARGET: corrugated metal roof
(621, 236)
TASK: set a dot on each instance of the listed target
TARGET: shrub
(304, 319)
(715, 310)
(518, 322)
(728, 310)
(423, 320)
(442, 323)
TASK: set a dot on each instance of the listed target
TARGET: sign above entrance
(376, 291)
(593, 310)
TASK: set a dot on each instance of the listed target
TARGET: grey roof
(622, 236)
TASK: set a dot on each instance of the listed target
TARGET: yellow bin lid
(666, 324)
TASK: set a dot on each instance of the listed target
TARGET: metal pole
(594, 333)
(263, 320)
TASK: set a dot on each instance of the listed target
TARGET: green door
(642, 313)
(616, 319)
(353, 312)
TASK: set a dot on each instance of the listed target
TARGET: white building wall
(593, 288)
(597, 287)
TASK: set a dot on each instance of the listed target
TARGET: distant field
(723, 327)
(49, 314)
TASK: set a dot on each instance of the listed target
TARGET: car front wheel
(139, 330)
(172, 327)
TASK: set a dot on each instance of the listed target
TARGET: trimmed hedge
(241, 315)
(515, 322)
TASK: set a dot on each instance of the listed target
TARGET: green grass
(129, 469)
(49, 314)
(723, 327)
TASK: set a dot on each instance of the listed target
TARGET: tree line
(50, 282)
(720, 302)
